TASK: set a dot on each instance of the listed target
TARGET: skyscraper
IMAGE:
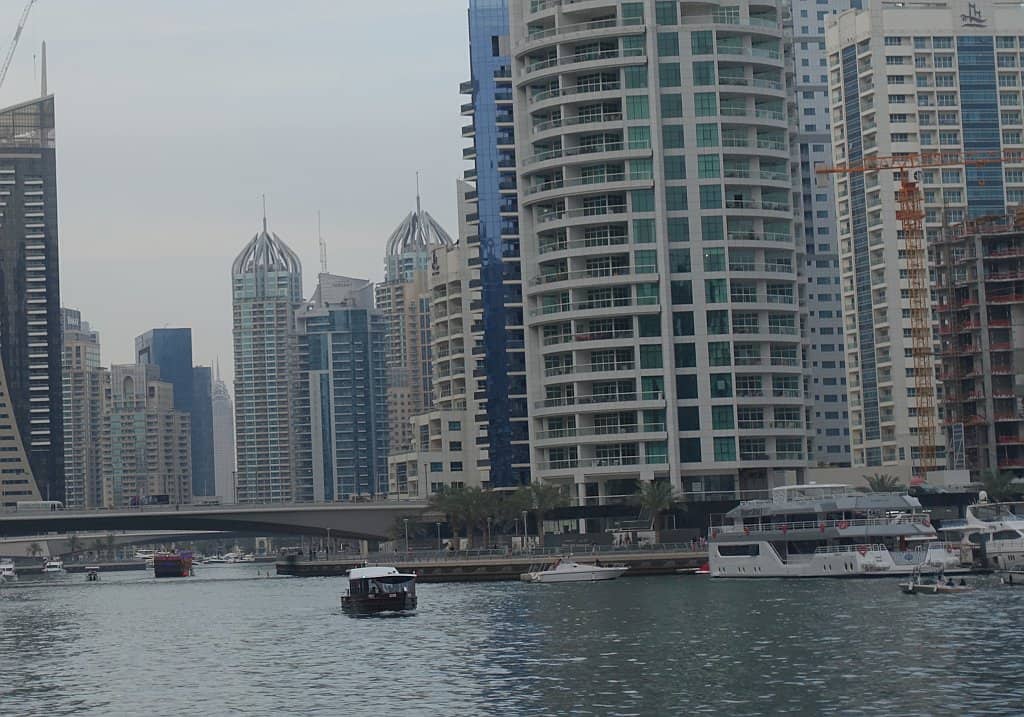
(171, 351)
(85, 382)
(495, 220)
(662, 245)
(146, 440)
(404, 299)
(343, 423)
(906, 77)
(266, 290)
(30, 321)
(223, 440)
(825, 360)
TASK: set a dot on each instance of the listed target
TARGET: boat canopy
(376, 572)
(823, 499)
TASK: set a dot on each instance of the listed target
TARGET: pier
(441, 568)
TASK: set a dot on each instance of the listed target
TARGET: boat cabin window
(382, 585)
(1006, 535)
(978, 538)
(993, 513)
(731, 551)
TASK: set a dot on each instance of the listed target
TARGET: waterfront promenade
(493, 566)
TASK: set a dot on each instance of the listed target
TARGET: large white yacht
(820, 530)
(7, 569)
(993, 531)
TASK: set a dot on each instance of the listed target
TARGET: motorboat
(992, 532)
(568, 571)
(172, 565)
(934, 585)
(7, 569)
(379, 589)
(55, 565)
(92, 573)
(823, 530)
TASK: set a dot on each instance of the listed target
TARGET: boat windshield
(385, 584)
(996, 512)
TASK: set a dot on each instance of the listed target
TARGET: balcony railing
(577, 120)
(583, 57)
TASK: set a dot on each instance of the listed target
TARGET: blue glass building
(497, 224)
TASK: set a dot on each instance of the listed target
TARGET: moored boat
(7, 569)
(934, 585)
(819, 530)
(379, 589)
(993, 532)
(172, 565)
(568, 571)
(54, 565)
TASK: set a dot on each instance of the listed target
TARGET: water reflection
(228, 641)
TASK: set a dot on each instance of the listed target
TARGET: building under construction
(979, 292)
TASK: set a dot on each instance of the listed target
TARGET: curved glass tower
(661, 245)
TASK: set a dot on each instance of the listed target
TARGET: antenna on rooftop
(417, 192)
(264, 196)
(323, 245)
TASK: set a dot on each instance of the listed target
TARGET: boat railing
(821, 525)
(841, 549)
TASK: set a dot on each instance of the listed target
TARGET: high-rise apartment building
(494, 225)
(266, 290)
(404, 299)
(171, 351)
(662, 245)
(825, 360)
(450, 442)
(343, 370)
(85, 383)
(223, 440)
(906, 77)
(16, 481)
(30, 321)
(146, 446)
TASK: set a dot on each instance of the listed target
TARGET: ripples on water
(230, 643)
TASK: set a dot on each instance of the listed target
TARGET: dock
(444, 569)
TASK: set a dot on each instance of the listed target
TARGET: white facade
(906, 77)
(825, 362)
(662, 245)
(84, 382)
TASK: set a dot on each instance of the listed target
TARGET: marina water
(230, 641)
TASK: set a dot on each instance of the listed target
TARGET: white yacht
(7, 571)
(567, 571)
(994, 532)
(53, 565)
(820, 530)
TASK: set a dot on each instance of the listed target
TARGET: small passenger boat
(379, 589)
(934, 585)
(92, 573)
(7, 570)
(567, 571)
(56, 565)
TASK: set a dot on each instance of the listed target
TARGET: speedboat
(821, 530)
(379, 589)
(993, 533)
(934, 585)
(92, 573)
(7, 570)
(568, 571)
(56, 565)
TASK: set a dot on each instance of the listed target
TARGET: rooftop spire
(264, 212)
(323, 245)
(417, 192)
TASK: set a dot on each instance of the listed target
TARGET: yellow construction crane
(14, 43)
(911, 216)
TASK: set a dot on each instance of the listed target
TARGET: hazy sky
(174, 116)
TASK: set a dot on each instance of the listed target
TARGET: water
(230, 643)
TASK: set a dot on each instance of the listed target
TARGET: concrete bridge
(357, 521)
(60, 544)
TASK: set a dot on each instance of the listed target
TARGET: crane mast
(14, 42)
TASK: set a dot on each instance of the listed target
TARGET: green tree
(453, 503)
(655, 498)
(540, 499)
(35, 550)
(74, 544)
(110, 544)
(999, 484)
(882, 483)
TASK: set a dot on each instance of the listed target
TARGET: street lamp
(489, 519)
(406, 521)
(526, 532)
(438, 524)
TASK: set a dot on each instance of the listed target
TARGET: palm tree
(97, 547)
(455, 505)
(882, 483)
(540, 499)
(656, 497)
(110, 544)
(35, 550)
(999, 484)
(74, 544)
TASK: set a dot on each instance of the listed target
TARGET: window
(650, 356)
(671, 106)
(722, 418)
(454, 425)
(455, 445)
(678, 229)
(708, 167)
(686, 386)
(643, 231)
(718, 322)
(719, 353)
(707, 135)
(665, 12)
(682, 291)
(647, 295)
(711, 228)
(679, 261)
(638, 107)
(636, 77)
(641, 169)
(649, 326)
(645, 261)
(716, 291)
(714, 259)
(668, 74)
(685, 355)
(672, 136)
(703, 73)
(639, 137)
(682, 323)
(705, 104)
(689, 418)
(668, 44)
(456, 466)
(675, 199)
(710, 196)
(632, 13)
(702, 42)
(436, 467)
(725, 448)
(643, 200)
(689, 450)
(675, 167)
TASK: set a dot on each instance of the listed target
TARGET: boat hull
(588, 576)
(383, 602)
(865, 562)
(172, 566)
